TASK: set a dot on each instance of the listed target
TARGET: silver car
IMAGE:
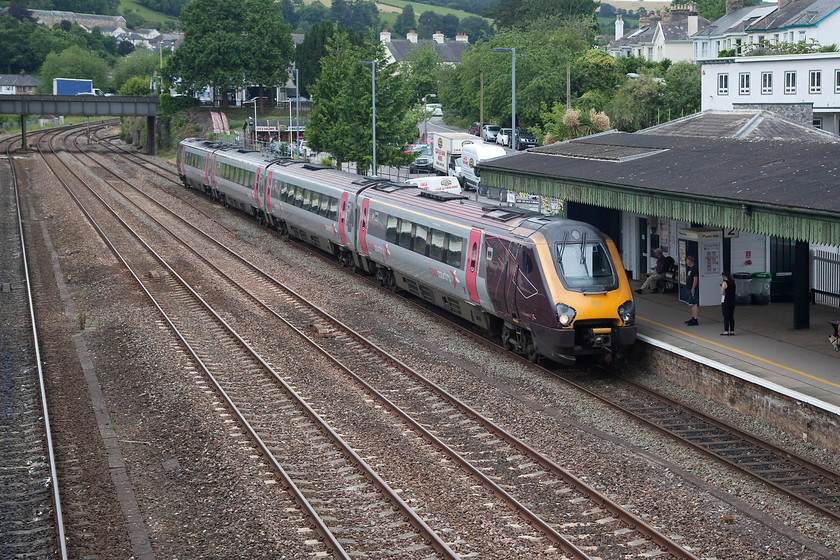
(490, 131)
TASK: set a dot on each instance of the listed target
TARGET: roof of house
(18, 80)
(449, 51)
(797, 14)
(735, 21)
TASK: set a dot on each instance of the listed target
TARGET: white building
(660, 36)
(804, 88)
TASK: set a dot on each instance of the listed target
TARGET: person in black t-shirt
(693, 282)
(727, 303)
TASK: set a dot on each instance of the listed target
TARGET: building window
(650, 54)
(723, 84)
(815, 81)
(837, 81)
(790, 82)
(766, 83)
(801, 35)
(743, 83)
(818, 123)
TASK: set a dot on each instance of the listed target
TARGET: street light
(426, 118)
(372, 64)
(297, 108)
(513, 94)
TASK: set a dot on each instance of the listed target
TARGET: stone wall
(794, 417)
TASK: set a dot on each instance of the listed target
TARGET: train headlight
(565, 314)
(627, 312)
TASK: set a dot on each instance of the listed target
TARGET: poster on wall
(711, 258)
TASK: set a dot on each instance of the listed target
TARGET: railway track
(559, 506)
(782, 469)
(31, 519)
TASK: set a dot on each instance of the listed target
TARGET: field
(146, 13)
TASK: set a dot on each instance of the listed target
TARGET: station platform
(765, 349)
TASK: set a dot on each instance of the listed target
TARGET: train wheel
(506, 334)
(531, 351)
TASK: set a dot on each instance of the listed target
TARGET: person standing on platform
(727, 303)
(693, 282)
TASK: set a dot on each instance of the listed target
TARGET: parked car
(424, 162)
(475, 129)
(490, 131)
(503, 137)
(524, 139)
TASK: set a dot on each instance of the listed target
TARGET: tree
(312, 14)
(136, 85)
(141, 63)
(342, 111)
(213, 52)
(428, 23)
(125, 48)
(520, 14)
(73, 62)
(268, 44)
(637, 104)
(476, 28)
(358, 15)
(314, 47)
(406, 21)
(682, 89)
(420, 71)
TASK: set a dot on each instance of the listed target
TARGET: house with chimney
(772, 25)
(661, 35)
(449, 51)
(18, 84)
(801, 87)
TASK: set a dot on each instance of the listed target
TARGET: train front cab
(594, 308)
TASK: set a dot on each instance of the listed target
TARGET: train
(545, 286)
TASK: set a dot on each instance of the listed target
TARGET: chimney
(411, 36)
(438, 37)
(619, 27)
(693, 22)
(462, 38)
(385, 36)
(732, 5)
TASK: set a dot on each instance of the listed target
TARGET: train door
(342, 219)
(259, 187)
(363, 222)
(472, 264)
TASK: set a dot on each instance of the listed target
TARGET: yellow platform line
(753, 356)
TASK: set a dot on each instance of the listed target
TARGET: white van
(438, 184)
(471, 156)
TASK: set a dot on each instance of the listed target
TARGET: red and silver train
(547, 286)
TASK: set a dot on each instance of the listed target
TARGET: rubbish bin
(760, 288)
(743, 287)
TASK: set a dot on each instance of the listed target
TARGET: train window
(421, 234)
(333, 213)
(252, 179)
(405, 234)
(454, 248)
(307, 200)
(436, 250)
(489, 253)
(585, 265)
(391, 232)
(527, 263)
(298, 196)
(316, 203)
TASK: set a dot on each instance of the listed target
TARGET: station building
(746, 191)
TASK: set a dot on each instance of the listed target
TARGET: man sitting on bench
(834, 339)
(657, 274)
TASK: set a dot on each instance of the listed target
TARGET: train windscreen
(584, 265)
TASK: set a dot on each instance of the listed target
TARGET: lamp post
(513, 94)
(372, 64)
(426, 118)
(297, 108)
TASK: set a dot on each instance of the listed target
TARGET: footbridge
(84, 105)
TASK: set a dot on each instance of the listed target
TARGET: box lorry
(74, 86)
(471, 156)
(447, 156)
